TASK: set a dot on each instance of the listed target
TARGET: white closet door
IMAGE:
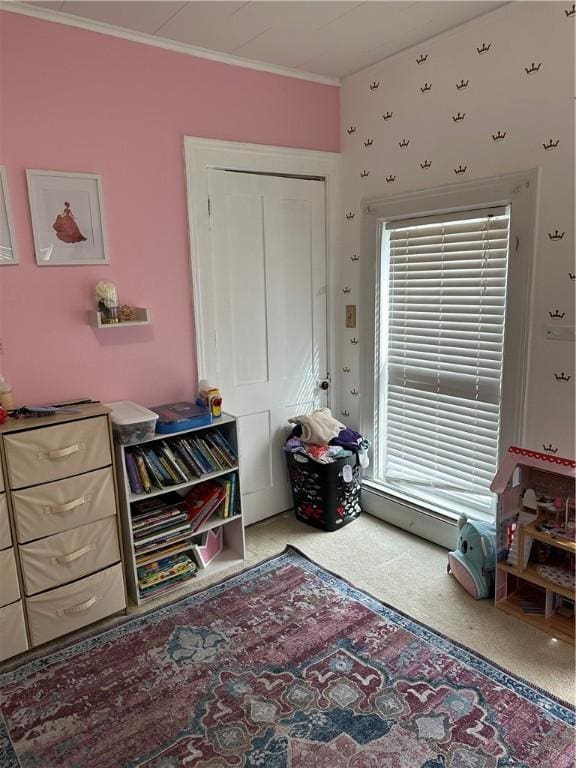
(268, 238)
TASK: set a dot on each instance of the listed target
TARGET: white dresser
(60, 561)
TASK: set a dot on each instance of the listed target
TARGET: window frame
(519, 191)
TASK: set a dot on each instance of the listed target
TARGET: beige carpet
(410, 574)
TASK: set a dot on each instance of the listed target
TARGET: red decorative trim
(543, 456)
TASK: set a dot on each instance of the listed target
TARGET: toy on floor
(473, 562)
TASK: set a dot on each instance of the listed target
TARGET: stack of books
(159, 525)
(161, 575)
(178, 460)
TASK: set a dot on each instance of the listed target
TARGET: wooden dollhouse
(535, 539)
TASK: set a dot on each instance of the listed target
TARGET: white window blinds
(443, 298)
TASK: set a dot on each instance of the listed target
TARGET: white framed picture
(67, 218)
(8, 250)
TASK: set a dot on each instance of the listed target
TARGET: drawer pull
(61, 453)
(69, 505)
(80, 608)
(71, 556)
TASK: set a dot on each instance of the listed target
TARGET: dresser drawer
(52, 453)
(67, 556)
(64, 504)
(5, 535)
(9, 588)
(13, 638)
(68, 608)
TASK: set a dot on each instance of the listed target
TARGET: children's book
(200, 456)
(156, 504)
(187, 451)
(225, 446)
(175, 532)
(143, 473)
(151, 456)
(154, 476)
(133, 474)
(202, 501)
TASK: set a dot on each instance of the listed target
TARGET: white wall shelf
(142, 318)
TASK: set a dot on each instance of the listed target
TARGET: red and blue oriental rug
(282, 666)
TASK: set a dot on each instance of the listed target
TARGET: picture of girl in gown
(66, 228)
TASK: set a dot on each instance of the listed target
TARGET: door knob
(324, 385)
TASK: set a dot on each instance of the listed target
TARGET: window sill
(419, 503)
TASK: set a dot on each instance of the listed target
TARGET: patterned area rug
(282, 666)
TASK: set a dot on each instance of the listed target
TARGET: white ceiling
(333, 39)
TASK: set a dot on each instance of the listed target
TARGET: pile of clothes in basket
(325, 461)
(323, 438)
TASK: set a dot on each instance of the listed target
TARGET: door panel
(246, 288)
(254, 436)
(269, 272)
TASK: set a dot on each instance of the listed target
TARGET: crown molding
(24, 9)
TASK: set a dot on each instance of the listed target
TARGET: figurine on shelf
(107, 298)
(126, 314)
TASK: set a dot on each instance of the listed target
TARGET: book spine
(161, 519)
(188, 451)
(151, 469)
(227, 488)
(161, 552)
(160, 529)
(180, 463)
(209, 460)
(169, 533)
(169, 456)
(184, 459)
(155, 546)
(169, 469)
(233, 493)
(211, 454)
(133, 476)
(199, 458)
(144, 478)
(153, 459)
(225, 446)
(218, 452)
(161, 564)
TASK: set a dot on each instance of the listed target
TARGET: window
(441, 341)
(445, 285)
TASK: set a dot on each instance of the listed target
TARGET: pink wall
(80, 101)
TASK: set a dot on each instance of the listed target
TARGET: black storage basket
(322, 497)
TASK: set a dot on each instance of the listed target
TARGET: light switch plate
(350, 315)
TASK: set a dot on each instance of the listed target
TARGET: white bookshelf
(233, 551)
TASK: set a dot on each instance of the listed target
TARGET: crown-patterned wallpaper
(494, 96)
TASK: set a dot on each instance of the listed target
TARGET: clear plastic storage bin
(131, 423)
